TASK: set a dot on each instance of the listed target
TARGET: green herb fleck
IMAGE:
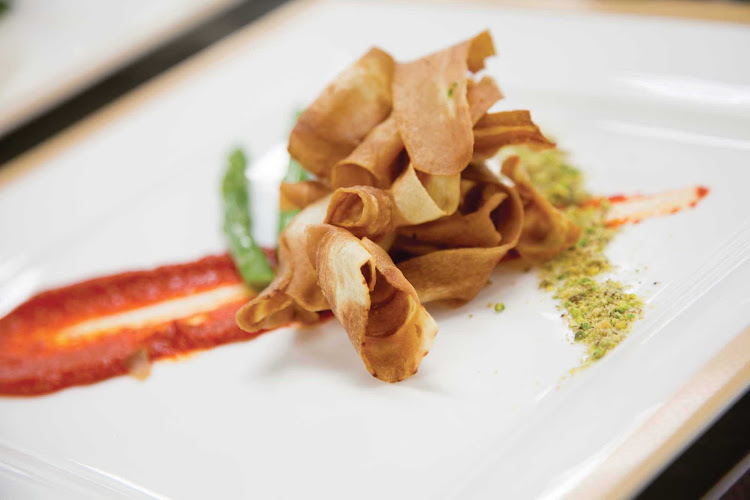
(452, 88)
(499, 307)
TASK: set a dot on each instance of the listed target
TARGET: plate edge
(674, 425)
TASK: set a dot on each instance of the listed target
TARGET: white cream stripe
(183, 307)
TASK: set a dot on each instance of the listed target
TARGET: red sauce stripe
(33, 362)
(68, 305)
(669, 206)
(48, 370)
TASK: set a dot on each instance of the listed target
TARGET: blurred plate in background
(51, 49)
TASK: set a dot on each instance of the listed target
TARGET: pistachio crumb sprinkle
(599, 313)
(499, 307)
(559, 181)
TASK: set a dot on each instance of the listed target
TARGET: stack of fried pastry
(404, 210)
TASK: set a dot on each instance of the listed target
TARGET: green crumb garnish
(599, 313)
(452, 88)
(559, 182)
(499, 307)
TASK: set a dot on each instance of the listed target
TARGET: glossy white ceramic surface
(643, 105)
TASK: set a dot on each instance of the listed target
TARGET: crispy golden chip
(421, 197)
(495, 130)
(518, 117)
(509, 217)
(481, 96)
(546, 230)
(490, 213)
(473, 229)
(378, 308)
(375, 162)
(454, 275)
(480, 49)
(431, 108)
(413, 198)
(332, 126)
(458, 274)
(272, 308)
(294, 294)
(363, 210)
(303, 283)
(298, 195)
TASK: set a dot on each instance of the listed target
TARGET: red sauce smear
(36, 357)
(632, 209)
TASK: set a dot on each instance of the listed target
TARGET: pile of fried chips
(404, 211)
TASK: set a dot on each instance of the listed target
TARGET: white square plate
(644, 105)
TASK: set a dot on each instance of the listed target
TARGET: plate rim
(673, 426)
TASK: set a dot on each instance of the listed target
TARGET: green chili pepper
(248, 257)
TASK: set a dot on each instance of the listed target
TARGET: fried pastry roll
(377, 306)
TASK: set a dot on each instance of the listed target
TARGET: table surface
(713, 462)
